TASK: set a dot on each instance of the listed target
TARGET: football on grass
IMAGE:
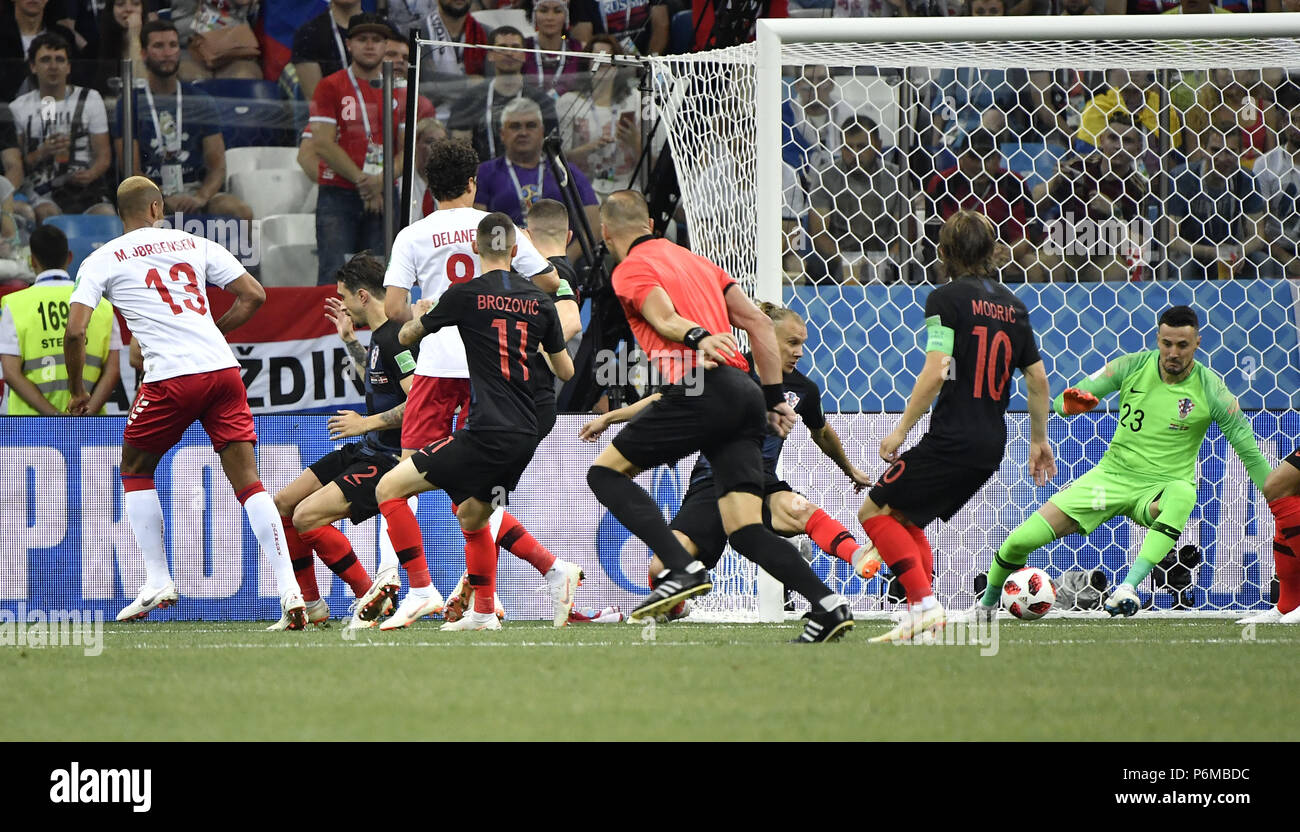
(1028, 594)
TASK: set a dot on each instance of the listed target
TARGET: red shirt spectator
(335, 102)
(978, 182)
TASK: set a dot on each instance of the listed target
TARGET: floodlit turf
(1071, 680)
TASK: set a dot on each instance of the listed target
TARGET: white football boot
(474, 621)
(412, 609)
(866, 561)
(563, 579)
(1272, 615)
(915, 625)
(318, 613)
(148, 600)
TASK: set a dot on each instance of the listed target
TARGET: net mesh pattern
(1123, 177)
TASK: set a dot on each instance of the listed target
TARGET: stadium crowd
(241, 110)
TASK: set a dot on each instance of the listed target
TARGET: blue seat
(101, 227)
(252, 113)
(681, 33)
(81, 247)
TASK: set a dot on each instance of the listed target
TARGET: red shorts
(435, 408)
(163, 410)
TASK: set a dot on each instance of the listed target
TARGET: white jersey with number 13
(156, 278)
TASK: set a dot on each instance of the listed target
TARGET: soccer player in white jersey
(435, 253)
(155, 276)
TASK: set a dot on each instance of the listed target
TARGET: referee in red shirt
(681, 307)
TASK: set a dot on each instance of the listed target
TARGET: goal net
(1129, 165)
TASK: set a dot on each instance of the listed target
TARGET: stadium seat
(101, 227)
(252, 113)
(270, 192)
(289, 265)
(81, 248)
(288, 229)
(241, 159)
(875, 98)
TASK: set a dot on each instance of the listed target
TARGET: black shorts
(698, 518)
(485, 464)
(923, 485)
(1294, 458)
(356, 472)
(723, 417)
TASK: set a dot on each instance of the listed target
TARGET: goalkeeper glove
(1078, 401)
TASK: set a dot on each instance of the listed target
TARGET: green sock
(1176, 502)
(1032, 534)
(1154, 548)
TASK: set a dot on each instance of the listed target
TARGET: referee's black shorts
(722, 416)
(923, 484)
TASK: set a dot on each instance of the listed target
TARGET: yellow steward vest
(40, 315)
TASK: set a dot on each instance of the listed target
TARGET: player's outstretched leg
(480, 566)
(240, 466)
(144, 512)
(793, 514)
(898, 548)
(1034, 533)
(610, 479)
(423, 599)
(1282, 490)
(304, 567)
(829, 617)
(1168, 515)
(562, 577)
(388, 573)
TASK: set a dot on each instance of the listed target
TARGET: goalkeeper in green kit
(1167, 402)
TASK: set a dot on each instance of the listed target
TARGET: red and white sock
(830, 536)
(1286, 551)
(304, 568)
(404, 532)
(898, 550)
(335, 550)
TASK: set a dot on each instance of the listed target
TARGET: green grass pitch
(1055, 679)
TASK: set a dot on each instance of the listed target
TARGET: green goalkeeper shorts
(1099, 495)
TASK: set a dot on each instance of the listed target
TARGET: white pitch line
(281, 646)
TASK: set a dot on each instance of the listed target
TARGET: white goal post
(728, 115)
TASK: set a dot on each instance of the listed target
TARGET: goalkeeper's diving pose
(1167, 402)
